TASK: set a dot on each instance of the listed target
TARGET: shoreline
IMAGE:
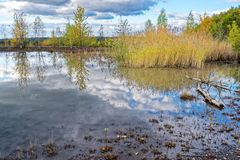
(226, 60)
(52, 49)
(123, 143)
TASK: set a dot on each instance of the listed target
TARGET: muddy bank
(137, 143)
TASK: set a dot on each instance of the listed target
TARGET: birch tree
(20, 29)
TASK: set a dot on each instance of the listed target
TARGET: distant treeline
(77, 33)
(40, 40)
(214, 38)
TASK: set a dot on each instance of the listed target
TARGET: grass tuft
(185, 96)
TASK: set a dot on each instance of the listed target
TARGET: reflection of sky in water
(118, 93)
(99, 82)
(49, 83)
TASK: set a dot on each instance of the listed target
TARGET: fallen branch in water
(212, 84)
(208, 98)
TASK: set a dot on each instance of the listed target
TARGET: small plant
(155, 151)
(141, 140)
(19, 154)
(106, 149)
(185, 96)
(170, 144)
(110, 157)
(153, 120)
(50, 149)
(32, 151)
(106, 135)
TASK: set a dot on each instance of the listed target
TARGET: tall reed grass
(162, 48)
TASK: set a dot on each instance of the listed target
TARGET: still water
(66, 97)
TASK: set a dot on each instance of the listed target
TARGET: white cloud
(234, 1)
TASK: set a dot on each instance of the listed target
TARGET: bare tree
(123, 28)
(59, 35)
(3, 30)
(149, 26)
(190, 22)
(38, 27)
(101, 32)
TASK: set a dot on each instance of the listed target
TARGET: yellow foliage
(53, 41)
(165, 49)
(205, 24)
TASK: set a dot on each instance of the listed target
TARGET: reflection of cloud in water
(120, 95)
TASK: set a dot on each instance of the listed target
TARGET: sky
(108, 12)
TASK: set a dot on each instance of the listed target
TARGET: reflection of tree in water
(22, 68)
(75, 65)
(6, 63)
(77, 69)
(57, 60)
(40, 66)
(235, 73)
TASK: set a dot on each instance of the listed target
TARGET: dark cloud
(47, 2)
(118, 7)
(90, 14)
(39, 10)
(97, 9)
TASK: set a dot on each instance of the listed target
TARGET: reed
(162, 48)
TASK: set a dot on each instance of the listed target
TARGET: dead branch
(212, 84)
(209, 99)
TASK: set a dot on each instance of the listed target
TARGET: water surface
(64, 96)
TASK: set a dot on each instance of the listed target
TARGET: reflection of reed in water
(169, 79)
(22, 68)
(159, 79)
(77, 69)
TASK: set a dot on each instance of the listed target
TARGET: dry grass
(165, 49)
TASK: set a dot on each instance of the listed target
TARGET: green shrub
(234, 36)
(220, 23)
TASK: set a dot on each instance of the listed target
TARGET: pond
(83, 102)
